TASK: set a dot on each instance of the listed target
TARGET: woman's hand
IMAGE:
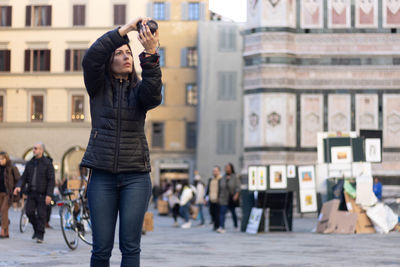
(147, 39)
(131, 26)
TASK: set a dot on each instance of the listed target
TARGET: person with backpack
(185, 202)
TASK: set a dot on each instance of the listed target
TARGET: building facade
(220, 105)
(320, 66)
(42, 94)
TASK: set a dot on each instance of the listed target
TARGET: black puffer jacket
(117, 141)
(45, 179)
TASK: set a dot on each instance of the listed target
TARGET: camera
(153, 26)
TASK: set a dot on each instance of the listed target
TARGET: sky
(233, 9)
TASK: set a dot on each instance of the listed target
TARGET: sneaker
(186, 225)
(176, 224)
(39, 240)
(221, 230)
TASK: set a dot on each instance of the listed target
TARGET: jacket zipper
(116, 156)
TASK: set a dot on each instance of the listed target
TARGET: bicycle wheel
(85, 227)
(23, 221)
(68, 227)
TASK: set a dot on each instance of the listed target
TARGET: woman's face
(228, 169)
(122, 62)
(3, 161)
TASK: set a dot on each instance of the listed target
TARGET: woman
(228, 196)
(9, 175)
(117, 151)
(172, 195)
(200, 192)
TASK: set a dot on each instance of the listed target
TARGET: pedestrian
(172, 196)
(212, 193)
(9, 176)
(200, 192)
(377, 187)
(228, 197)
(185, 202)
(117, 151)
(156, 193)
(39, 176)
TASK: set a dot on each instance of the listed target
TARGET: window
(78, 110)
(73, 59)
(38, 16)
(159, 11)
(189, 57)
(37, 60)
(191, 94)
(163, 94)
(79, 15)
(157, 137)
(5, 60)
(1, 108)
(227, 39)
(191, 135)
(119, 14)
(226, 137)
(226, 86)
(5, 16)
(161, 52)
(37, 108)
(194, 11)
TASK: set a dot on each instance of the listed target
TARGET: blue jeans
(223, 210)
(109, 194)
(201, 215)
(184, 211)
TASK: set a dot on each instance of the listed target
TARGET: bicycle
(75, 219)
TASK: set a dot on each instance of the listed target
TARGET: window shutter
(150, 9)
(221, 38)
(9, 14)
(82, 15)
(232, 38)
(7, 60)
(48, 16)
(122, 13)
(28, 15)
(68, 60)
(231, 137)
(232, 85)
(184, 57)
(47, 60)
(27, 59)
(184, 11)
(202, 11)
(167, 11)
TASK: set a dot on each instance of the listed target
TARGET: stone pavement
(199, 246)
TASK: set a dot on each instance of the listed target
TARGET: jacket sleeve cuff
(150, 61)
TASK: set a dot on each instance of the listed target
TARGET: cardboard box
(364, 224)
(148, 223)
(345, 222)
(326, 223)
(162, 207)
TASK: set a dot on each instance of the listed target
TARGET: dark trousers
(214, 211)
(36, 211)
(48, 213)
(223, 210)
(184, 211)
(175, 212)
(109, 194)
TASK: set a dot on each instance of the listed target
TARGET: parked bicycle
(75, 218)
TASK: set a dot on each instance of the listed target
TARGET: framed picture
(373, 150)
(261, 178)
(252, 176)
(291, 171)
(306, 177)
(277, 177)
(308, 200)
(341, 154)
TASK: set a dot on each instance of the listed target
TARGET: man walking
(212, 193)
(39, 176)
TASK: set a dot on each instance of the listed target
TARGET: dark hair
(232, 167)
(133, 77)
(218, 167)
(7, 157)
